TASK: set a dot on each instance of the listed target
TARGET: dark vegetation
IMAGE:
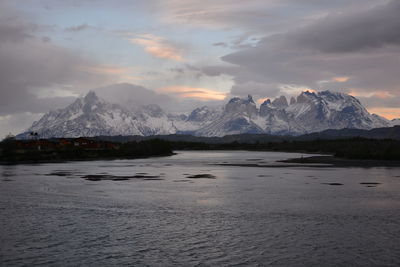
(93, 148)
(353, 148)
(53, 150)
(377, 133)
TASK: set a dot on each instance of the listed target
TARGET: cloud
(16, 123)
(223, 44)
(341, 79)
(348, 61)
(131, 95)
(120, 73)
(255, 89)
(31, 65)
(389, 113)
(250, 16)
(352, 31)
(194, 93)
(77, 28)
(176, 99)
(158, 47)
(15, 32)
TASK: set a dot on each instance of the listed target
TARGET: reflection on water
(187, 210)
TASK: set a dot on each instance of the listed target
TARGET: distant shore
(342, 162)
(327, 161)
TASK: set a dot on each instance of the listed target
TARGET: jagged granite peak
(280, 102)
(236, 118)
(240, 106)
(266, 108)
(310, 112)
(91, 97)
(200, 114)
(266, 102)
(306, 97)
(152, 110)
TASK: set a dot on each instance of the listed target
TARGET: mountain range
(308, 113)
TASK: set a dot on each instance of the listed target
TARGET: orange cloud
(158, 47)
(389, 113)
(261, 100)
(120, 73)
(341, 79)
(194, 92)
(376, 94)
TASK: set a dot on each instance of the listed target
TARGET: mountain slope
(92, 116)
(309, 112)
(238, 117)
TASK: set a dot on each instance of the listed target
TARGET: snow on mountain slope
(309, 112)
(197, 119)
(395, 122)
(239, 116)
(92, 116)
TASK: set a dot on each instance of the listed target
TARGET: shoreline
(325, 161)
(342, 162)
(81, 159)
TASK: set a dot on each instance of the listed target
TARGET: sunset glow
(158, 47)
(193, 92)
(389, 113)
(340, 79)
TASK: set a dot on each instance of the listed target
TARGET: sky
(186, 53)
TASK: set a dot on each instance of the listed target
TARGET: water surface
(244, 216)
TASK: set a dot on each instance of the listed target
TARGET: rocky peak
(266, 102)
(200, 114)
(307, 97)
(90, 97)
(91, 102)
(153, 110)
(280, 102)
(241, 106)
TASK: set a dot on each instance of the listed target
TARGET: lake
(186, 210)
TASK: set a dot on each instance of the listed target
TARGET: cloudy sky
(185, 53)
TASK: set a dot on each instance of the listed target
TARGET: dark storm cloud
(362, 46)
(255, 15)
(371, 28)
(30, 64)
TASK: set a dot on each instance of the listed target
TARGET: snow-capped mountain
(395, 122)
(92, 116)
(309, 112)
(239, 116)
(198, 118)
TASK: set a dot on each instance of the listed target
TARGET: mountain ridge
(309, 112)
